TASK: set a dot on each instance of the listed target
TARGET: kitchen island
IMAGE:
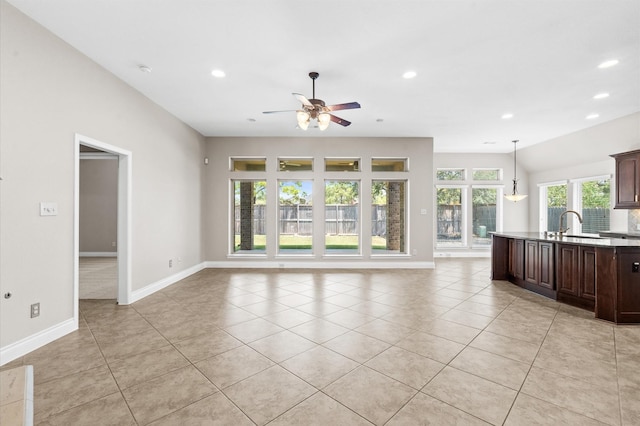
(599, 274)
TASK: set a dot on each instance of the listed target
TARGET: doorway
(98, 227)
(123, 216)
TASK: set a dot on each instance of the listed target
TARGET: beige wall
(50, 92)
(420, 177)
(98, 205)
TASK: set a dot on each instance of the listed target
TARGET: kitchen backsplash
(634, 220)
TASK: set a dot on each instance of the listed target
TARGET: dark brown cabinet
(604, 278)
(576, 275)
(627, 180)
(539, 267)
(516, 259)
(628, 303)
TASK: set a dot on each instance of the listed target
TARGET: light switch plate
(48, 209)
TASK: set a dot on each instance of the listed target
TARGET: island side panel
(499, 258)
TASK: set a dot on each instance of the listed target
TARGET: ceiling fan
(316, 109)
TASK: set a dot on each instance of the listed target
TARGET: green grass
(300, 242)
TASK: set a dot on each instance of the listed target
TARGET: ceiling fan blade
(272, 112)
(348, 105)
(303, 99)
(340, 121)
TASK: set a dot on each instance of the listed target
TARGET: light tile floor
(294, 347)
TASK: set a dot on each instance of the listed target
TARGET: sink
(593, 237)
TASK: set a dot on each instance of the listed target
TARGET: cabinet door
(627, 180)
(546, 263)
(567, 267)
(531, 262)
(516, 259)
(587, 288)
(628, 307)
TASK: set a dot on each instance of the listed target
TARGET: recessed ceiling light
(609, 63)
(507, 116)
(253, 120)
(601, 96)
(144, 68)
(379, 120)
(489, 143)
(218, 73)
(409, 74)
(592, 116)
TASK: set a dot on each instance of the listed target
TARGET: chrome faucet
(562, 231)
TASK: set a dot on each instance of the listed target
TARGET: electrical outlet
(170, 263)
(35, 310)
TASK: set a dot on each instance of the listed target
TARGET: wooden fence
(340, 219)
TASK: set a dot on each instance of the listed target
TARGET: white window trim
(542, 203)
(499, 205)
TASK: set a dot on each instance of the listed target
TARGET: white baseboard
(296, 264)
(165, 282)
(454, 254)
(98, 254)
(22, 347)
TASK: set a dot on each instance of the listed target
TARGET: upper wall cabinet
(627, 180)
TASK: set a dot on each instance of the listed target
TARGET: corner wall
(578, 155)
(50, 92)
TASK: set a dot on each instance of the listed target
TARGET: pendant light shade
(514, 196)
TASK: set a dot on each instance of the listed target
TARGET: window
(247, 164)
(388, 217)
(450, 216)
(341, 164)
(553, 201)
(487, 174)
(295, 164)
(389, 165)
(594, 204)
(249, 216)
(450, 174)
(342, 211)
(484, 203)
(295, 212)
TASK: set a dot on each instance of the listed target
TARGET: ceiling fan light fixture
(303, 119)
(323, 120)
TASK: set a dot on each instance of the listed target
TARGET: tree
(483, 196)
(449, 196)
(291, 193)
(557, 196)
(379, 192)
(596, 194)
(341, 192)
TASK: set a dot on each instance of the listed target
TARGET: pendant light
(514, 196)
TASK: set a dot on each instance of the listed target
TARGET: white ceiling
(475, 60)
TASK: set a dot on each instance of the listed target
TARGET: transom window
(342, 164)
(389, 165)
(248, 164)
(450, 174)
(295, 164)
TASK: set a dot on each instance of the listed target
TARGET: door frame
(124, 218)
